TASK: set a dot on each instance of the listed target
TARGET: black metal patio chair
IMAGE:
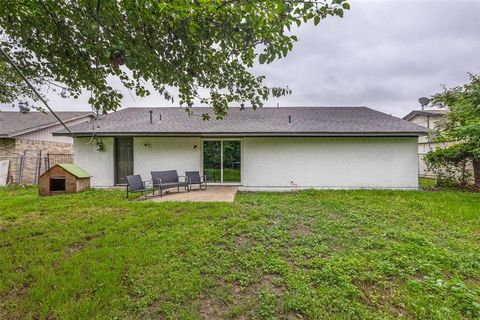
(194, 177)
(136, 184)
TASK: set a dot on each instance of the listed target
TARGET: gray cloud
(383, 54)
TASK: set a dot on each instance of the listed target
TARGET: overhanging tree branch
(20, 73)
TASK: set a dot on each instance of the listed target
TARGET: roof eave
(247, 134)
(410, 116)
(416, 113)
(46, 126)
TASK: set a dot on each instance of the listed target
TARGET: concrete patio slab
(212, 194)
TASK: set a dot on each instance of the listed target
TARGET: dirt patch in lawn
(211, 309)
(300, 230)
(154, 310)
(240, 241)
(272, 283)
(79, 245)
(382, 297)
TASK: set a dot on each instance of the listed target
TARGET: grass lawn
(311, 254)
(427, 183)
(229, 175)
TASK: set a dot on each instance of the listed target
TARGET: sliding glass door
(231, 161)
(212, 160)
(222, 161)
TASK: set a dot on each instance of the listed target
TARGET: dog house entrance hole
(57, 184)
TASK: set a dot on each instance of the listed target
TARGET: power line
(10, 61)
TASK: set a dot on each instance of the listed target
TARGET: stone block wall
(14, 149)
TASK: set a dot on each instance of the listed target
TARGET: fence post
(46, 159)
(20, 169)
(38, 166)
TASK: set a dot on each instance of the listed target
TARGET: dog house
(63, 178)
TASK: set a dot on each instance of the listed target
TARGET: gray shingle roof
(14, 122)
(329, 121)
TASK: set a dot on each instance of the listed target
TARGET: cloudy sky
(382, 54)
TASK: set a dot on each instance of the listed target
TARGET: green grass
(229, 175)
(310, 254)
(427, 183)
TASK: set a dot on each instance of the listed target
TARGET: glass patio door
(222, 161)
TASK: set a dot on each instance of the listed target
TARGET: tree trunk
(463, 177)
(476, 173)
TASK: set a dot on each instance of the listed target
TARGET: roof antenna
(424, 101)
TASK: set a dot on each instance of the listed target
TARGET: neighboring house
(28, 136)
(263, 149)
(427, 119)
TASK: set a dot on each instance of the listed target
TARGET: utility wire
(10, 61)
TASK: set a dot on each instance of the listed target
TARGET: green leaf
(308, 5)
(346, 6)
(262, 58)
(181, 44)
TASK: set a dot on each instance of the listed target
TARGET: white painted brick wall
(98, 163)
(272, 162)
(165, 153)
(330, 162)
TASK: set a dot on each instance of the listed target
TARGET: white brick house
(263, 149)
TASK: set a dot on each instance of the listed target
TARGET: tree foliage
(12, 86)
(460, 126)
(190, 45)
(450, 165)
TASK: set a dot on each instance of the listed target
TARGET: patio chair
(136, 184)
(194, 177)
(169, 179)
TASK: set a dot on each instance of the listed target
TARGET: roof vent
(289, 119)
(151, 116)
(160, 117)
(23, 106)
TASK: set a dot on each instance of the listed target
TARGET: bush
(450, 166)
